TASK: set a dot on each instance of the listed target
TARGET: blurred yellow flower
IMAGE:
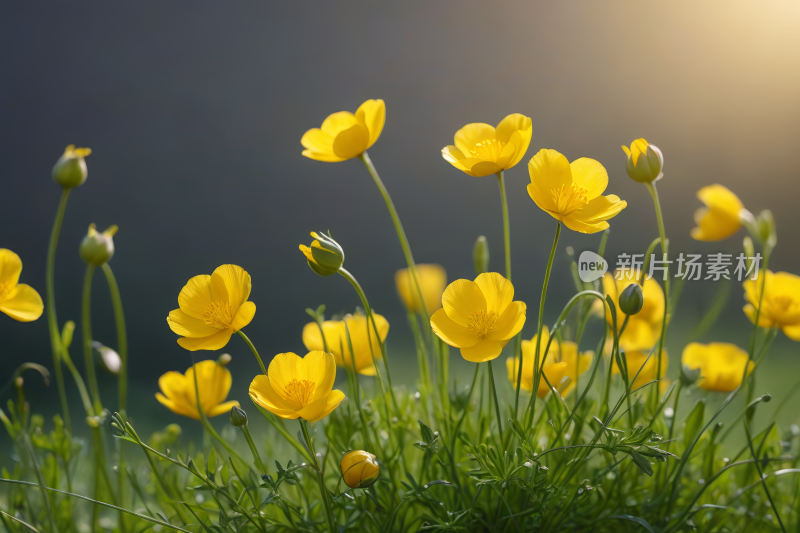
(344, 135)
(298, 387)
(572, 192)
(563, 360)
(479, 317)
(636, 360)
(719, 219)
(780, 306)
(432, 281)
(361, 333)
(18, 300)
(213, 384)
(721, 364)
(359, 469)
(645, 161)
(644, 328)
(212, 308)
(481, 150)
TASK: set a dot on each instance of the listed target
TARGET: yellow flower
(298, 387)
(213, 384)
(563, 360)
(780, 306)
(212, 308)
(359, 469)
(360, 335)
(720, 218)
(432, 281)
(644, 328)
(572, 192)
(479, 317)
(481, 150)
(344, 135)
(721, 364)
(645, 161)
(18, 300)
(325, 256)
(636, 360)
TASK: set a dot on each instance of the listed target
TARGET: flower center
(482, 323)
(569, 198)
(299, 392)
(782, 302)
(488, 150)
(5, 289)
(218, 315)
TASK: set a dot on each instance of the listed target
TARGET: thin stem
(87, 401)
(122, 335)
(255, 352)
(665, 251)
(506, 228)
(52, 320)
(253, 449)
(320, 479)
(40, 480)
(536, 373)
(496, 404)
(86, 325)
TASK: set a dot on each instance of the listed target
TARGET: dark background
(194, 112)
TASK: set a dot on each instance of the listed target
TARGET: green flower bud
(66, 333)
(98, 248)
(645, 161)
(238, 417)
(70, 171)
(631, 300)
(325, 256)
(689, 376)
(480, 255)
(108, 358)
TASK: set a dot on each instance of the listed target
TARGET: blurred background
(194, 114)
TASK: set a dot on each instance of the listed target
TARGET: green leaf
(694, 422)
(641, 462)
(641, 521)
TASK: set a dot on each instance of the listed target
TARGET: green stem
(496, 403)
(253, 449)
(536, 373)
(52, 320)
(422, 356)
(122, 335)
(86, 325)
(255, 352)
(665, 251)
(323, 491)
(40, 480)
(506, 228)
(87, 401)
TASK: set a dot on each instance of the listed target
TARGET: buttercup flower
(212, 308)
(359, 469)
(644, 328)
(645, 161)
(98, 248)
(70, 170)
(719, 219)
(18, 300)
(563, 360)
(344, 135)
(325, 256)
(432, 281)
(721, 364)
(479, 317)
(361, 333)
(213, 384)
(298, 387)
(481, 150)
(780, 306)
(572, 192)
(635, 360)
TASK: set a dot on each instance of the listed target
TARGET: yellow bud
(98, 248)
(325, 256)
(645, 161)
(360, 469)
(70, 170)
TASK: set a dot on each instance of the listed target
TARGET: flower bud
(70, 171)
(631, 300)
(66, 333)
(359, 469)
(98, 248)
(109, 359)
(645, 161)
(325, 256)
(224, 359)
(689, 376)
(480, 255)
(238, 417)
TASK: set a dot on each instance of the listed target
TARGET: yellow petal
(195, 296)
(213, 382)
(216, 341)
(470, 135)
(373, 114)
(244, 316)
(178, 408)
(338, 122)
(599, 209)
(453, 334)
(510, 322)
(223, 408)
(513, 123)
(322, 407)
(461, 299)
(351, 142)
(720, 219)
(497, 291)
(319, 146)
(10, 268)
(23, 303)
(188, 326)
(555, 373)
(793, 332)
(237, 284)
(484, 350)
(319, 368)
(264, 394)
(590, 175)
(432, 281)
(548, 170)
(763, 321)
(283, 369)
